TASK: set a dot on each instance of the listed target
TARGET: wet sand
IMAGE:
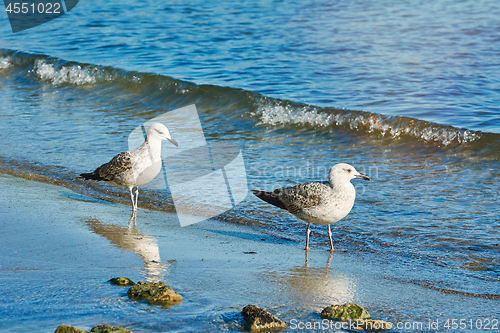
(58, 249)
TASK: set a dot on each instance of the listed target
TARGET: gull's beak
(174, 142)
(361, 176)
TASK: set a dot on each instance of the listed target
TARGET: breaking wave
(72, 74)
(277, 114)
(236, 103)
(4, 62)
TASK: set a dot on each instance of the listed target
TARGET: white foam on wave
(5, 62)
(282, 115)
(71, 74)
(394, 127)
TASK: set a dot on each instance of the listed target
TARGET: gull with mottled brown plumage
(316, 202)
(135, 167)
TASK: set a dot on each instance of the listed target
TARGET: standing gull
(135, 167)
(317, 202)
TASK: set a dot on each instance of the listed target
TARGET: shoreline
(60, 248)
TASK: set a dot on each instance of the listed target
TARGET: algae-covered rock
(371, 325)
(109, 329)
(155, 293)
(346, 312)
(259, 319)
(96, 329)
(68, 329)
(122, 282)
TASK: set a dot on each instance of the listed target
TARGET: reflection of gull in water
(313, 287)
(129, 239)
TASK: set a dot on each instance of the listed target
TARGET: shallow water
(76, 244)
(408, 93)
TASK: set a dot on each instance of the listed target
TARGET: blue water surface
(432, 60)
(300, 73)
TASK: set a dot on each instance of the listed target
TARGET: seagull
(316, 202)
(135, 167)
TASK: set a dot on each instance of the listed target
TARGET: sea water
(406, 92)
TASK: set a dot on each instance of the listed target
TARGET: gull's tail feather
(269, 197)
(90, 175)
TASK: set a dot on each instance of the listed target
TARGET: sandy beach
(59, 249)
(259, 95)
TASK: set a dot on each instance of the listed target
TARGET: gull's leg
(329, 260)
(136, 196)
(330, 235)
(132, 223)
(306, 264)
(132, 198)
(308, 231)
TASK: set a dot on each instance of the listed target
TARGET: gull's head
(346, 172)
(160, 132)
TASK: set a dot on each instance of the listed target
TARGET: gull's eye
(349, 170)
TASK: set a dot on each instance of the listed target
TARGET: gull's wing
(118, 165)
(270, 197)
(109, 171)
(295, 198)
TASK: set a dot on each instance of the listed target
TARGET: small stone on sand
(109, 329)
(121, 282)
(346, 312)
(95, 329)
(157, 293)
(68, 329)
(259, 319)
